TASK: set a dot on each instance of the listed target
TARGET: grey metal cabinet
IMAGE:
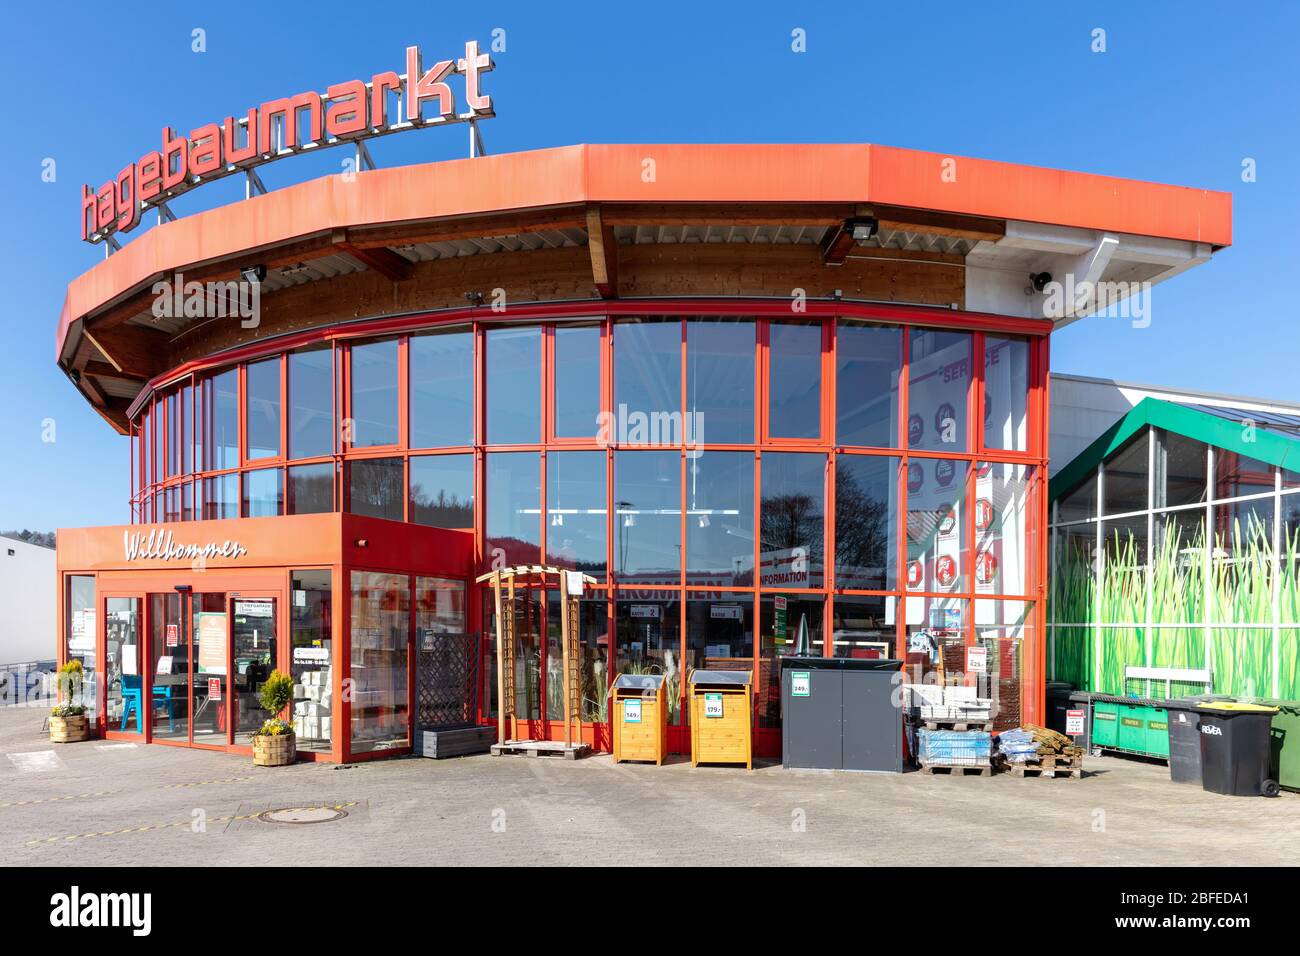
(841, 714)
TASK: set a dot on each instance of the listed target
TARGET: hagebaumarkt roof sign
(347, 112)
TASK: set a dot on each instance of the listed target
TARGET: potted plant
(68, 721)
(274, 744)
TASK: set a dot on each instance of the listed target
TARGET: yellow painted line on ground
(232, 818)
(204, 783)
(70, 796)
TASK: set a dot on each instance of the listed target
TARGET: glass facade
(696, 466)
(1176, 553)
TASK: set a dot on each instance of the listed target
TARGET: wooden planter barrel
(276, 751)
(69, 730)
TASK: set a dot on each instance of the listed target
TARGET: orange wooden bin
(722, 707)
(639, 716)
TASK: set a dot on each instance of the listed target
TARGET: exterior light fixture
(362, 543)
(253, 275)
(862, 229)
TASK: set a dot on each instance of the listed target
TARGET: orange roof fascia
(858, 173)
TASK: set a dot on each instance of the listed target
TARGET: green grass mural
(1239, 603)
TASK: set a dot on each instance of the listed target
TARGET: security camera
(1038, 280)
(474, 298)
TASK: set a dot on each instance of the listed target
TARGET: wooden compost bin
(639, 718)
(722, 711)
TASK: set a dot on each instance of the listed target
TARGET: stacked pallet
(1033, 751)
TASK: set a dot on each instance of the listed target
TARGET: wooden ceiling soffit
(475, 227)
(379, 259)
(133, 350)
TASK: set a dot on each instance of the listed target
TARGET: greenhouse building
(1175, 541)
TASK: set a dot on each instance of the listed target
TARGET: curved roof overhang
(612, 192)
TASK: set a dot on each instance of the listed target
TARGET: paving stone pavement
(98, 804)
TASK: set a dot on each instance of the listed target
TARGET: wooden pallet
(1051, 765)
(542, 748)
(958, 770)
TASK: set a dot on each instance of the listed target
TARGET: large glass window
(794, 380)
(649, 642)
(784, 622)
(720, 381)
(647, 517)
(186, 427)
(381, 624)
(1006, 393)
(938, 388)
(936, 524)
(720, 519)
(442, 389)
(593, 642)
(866, 522)
(1004, 553)
(312, 648)
(374, 394)
(1236, 475)
(221, 497)
(311, 405)
(577, 381)
(442, 490)
(1184, 470)
(575, 511)
(792, 530)
(377, 488)
(647, 380)
(262, 408)
(221, 422)
(514, 386)
(310, 489)
(514, 503)
(868, 364)
(263, 493)
(719, 631)
(1124, 488)
(169, 650)
(863, 626)
(81, 632)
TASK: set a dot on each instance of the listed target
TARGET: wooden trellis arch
(504, 582)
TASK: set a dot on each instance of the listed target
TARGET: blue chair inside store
(132, 692)
(164, 694)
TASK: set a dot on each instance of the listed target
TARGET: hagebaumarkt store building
(752, 390)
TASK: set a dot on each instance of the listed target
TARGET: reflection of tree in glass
(377, 488)
(792, 521)
(861, 533)
(442, 511)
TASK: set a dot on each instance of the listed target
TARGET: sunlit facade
(836, 464)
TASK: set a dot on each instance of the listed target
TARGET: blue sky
(1183, 94)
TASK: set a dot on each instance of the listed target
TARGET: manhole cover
(303, 815)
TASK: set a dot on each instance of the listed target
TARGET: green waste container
(1235, 745)
(1284, 750)
(1105, 724)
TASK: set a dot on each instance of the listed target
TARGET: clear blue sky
(1184, 92)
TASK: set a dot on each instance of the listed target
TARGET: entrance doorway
(210, 652)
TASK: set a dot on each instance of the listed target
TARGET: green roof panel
(1264, 444)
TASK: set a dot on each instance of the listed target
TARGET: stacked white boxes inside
(312, 705)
